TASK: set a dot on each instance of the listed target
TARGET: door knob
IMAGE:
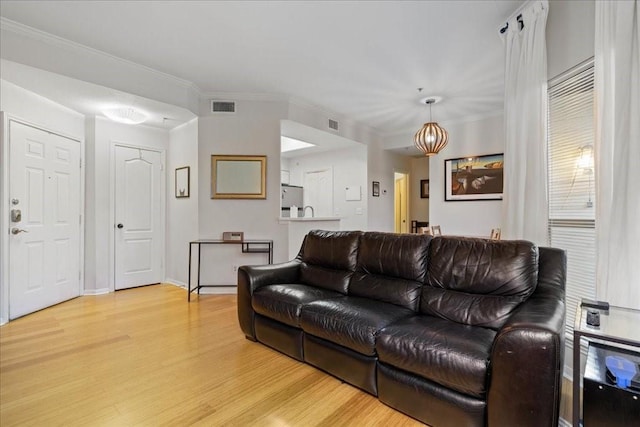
(18, 231)
(119, 225)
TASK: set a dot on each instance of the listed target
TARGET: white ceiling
(361, 59)
(91, 99)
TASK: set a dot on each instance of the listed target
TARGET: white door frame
(5, 120)
(405, 205)
(112, 205)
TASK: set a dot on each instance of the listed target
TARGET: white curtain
(524, 208)
(617, 84)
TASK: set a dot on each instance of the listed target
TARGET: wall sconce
(585, 159)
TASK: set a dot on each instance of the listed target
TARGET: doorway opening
(401, 202)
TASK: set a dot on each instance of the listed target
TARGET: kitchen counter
(310, 218)
(299, 227)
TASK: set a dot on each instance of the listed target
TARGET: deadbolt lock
(16, 215)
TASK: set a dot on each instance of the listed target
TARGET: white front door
(318, 192)
(139, 227)
(44, 236)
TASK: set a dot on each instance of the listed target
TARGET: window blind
(571, 180)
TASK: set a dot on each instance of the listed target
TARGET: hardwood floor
(146, 357)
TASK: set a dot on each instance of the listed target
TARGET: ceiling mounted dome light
(431, 138)
(127, 115)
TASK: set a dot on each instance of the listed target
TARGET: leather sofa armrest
(251, 278)
(527, 362)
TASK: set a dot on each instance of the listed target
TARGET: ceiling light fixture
(431, 138)
(127, 115)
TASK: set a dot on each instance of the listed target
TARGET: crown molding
(244, 96)
(291, 100)
(333, 115)
(42, 36)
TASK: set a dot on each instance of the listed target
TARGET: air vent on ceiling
(223, 106)
(333, 124)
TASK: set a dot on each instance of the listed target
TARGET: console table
(618, 325)
(247, 247)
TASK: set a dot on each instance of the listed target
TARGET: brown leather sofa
(451, 331)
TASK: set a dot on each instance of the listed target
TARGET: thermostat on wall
(232, 236)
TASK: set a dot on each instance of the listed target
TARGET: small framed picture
(424, 188)
(375, 189)
(182, 182)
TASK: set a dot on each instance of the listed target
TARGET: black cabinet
(604, 403)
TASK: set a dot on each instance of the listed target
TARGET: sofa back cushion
(329, 258)
(476, 281)
(391, 268)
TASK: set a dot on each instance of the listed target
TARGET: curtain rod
(518, 14)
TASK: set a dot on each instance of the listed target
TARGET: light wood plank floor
(146, 357)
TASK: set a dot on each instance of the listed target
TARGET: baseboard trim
(222, 290)
(100, 291)
(175, 282)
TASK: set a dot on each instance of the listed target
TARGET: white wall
(570, 34)
(40, 111)
(253, 130)
(419, 210)
(31, 47)
(469, 218)
(31, 108)
(317, 118)
(381, 166)
(349, 169)
(182, 213)
(102, 134)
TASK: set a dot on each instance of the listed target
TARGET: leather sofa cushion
(283, 302)
(395, 255)
(405, 293)
(477, 281)
(391, 268)
(450, 354)
(331, 249)
(351, 322)
(329, 259)
(326, 278)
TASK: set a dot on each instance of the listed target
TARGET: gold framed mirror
(238, 177)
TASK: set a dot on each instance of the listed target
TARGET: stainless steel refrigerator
(291, 196)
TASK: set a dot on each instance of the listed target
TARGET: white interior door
(318, 192)
(138, 228)
(44, 236)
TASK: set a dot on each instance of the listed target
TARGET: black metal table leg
(189, 281)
